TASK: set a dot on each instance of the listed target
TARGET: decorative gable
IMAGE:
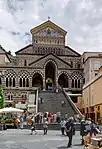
(61, 64)
(48, 28)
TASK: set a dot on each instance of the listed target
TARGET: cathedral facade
(47, 64)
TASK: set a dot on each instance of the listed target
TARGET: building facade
(92, 97)
(46, 64)
(91, 62)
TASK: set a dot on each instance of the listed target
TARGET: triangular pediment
(48, 28)
(71, 52)
(25, 50)
(61, 64)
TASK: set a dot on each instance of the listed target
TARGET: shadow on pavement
(77, 145)
(61, 147)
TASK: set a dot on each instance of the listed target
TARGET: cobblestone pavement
(21, 139)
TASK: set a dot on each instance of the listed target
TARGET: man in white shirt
(62, 123)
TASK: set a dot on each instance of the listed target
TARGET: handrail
(73, 104)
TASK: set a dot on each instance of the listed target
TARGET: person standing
(45, 126)
(21, 122)
(69, 127)
(83, 131)
(62, 123)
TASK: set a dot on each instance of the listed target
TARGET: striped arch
(63, 72)
(50, 60)
(37, 71)
(63, 79)
(10, 73)
(37, 79)
(23, 74)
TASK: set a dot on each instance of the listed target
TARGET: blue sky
(82, 19)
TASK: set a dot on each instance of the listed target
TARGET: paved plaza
(21, 139)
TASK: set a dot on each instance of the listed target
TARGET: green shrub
(8, 121)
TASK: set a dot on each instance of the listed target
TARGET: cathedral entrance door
(50, 76)
(49, 84)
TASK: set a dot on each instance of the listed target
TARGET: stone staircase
(52, 102)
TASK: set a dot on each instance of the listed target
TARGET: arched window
(6, 82)
(10, 82)
(25, 62)
(71, 63)
(13, 82)
(20, 82)
(23, 82)
(0, 81)
(78, 83)
(27, 82)
(72, 83)
(75, 83)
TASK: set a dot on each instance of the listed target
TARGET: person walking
(62, 123)
(69, 127)
(92, 128)
(33, 128)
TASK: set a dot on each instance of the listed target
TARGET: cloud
(81, 18)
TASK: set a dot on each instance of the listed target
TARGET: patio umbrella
(10, 110)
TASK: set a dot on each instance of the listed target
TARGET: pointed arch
(37, 80)
(50, 74)
(63, 80)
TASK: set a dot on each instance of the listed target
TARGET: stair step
(53, 103)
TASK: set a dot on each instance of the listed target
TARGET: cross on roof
(48, 18)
